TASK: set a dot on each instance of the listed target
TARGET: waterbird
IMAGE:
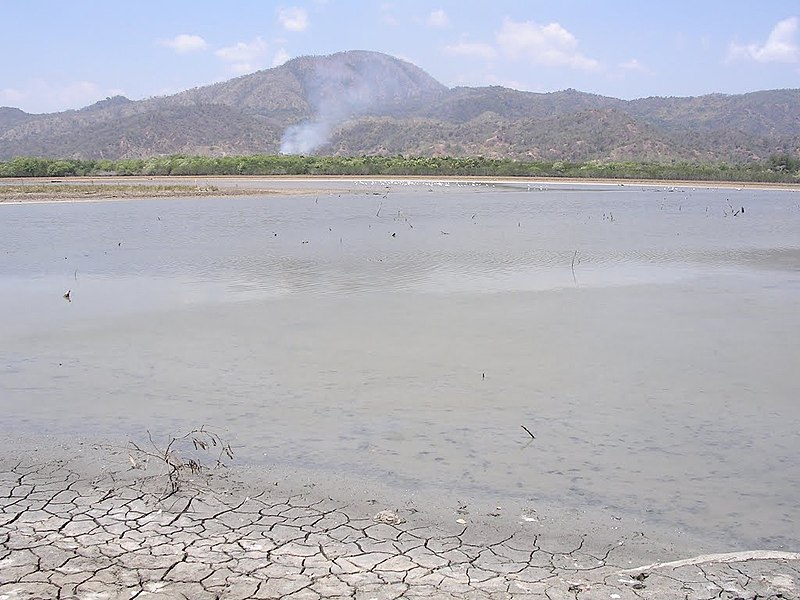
(66, 296)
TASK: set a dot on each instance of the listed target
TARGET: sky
(61, 55)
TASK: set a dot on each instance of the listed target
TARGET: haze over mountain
(362, 102)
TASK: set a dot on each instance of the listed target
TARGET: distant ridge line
(368, 103)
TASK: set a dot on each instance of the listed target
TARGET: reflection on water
(647, 336)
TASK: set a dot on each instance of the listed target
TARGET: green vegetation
(776, 169)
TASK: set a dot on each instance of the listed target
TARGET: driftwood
(728, 557)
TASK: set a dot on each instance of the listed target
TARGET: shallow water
(404, 333)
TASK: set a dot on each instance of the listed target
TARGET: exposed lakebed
(402, 333)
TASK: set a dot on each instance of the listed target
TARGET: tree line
(776, 169)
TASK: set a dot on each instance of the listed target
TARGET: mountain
(361, 102)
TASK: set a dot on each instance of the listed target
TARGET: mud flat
(74, 524)
(377, 352)
(114, 189)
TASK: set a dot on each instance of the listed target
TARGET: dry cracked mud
(67, 535)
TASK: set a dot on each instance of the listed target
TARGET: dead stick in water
(528, 431)
(574, 256)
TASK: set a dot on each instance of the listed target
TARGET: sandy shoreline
(94, 189)
(75, 522)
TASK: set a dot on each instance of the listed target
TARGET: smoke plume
(340, 87)
(305, 137)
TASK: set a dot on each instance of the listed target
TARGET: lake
(404, 332)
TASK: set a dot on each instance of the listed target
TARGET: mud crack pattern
(65, 537)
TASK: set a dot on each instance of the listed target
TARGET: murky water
(404, 333)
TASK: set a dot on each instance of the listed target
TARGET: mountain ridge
(362, 103)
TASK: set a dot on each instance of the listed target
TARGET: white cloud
(293, 19)
(632, 67)
(781, 46)
(244, 57)
(41, 96)
(185, 43)
(12, 97)
(438, 19)
(549, 45)
(471, 49)
(634, 64)
(243, 68)
(387, 14)
(281, 56)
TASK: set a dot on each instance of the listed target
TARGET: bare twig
(181, 456)
(574, 256)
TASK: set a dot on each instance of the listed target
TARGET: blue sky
(70, 54)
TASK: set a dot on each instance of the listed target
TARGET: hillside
(355, 103)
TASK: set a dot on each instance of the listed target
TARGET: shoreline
(116, 188)
(79, 520)
(92, 190)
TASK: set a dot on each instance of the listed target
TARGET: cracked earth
(67, 535)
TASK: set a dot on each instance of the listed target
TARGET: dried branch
(181, 456)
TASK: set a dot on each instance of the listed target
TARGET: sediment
(68, 533)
